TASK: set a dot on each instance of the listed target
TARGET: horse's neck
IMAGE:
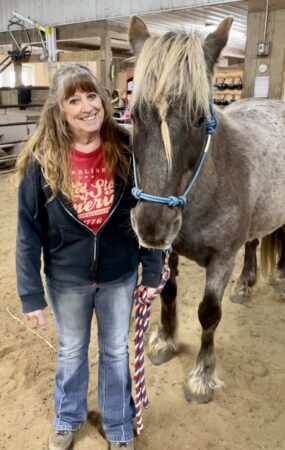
(225, 164)
(228, 127)
(216, 165)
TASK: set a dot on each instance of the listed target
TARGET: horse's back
(250, 103)
(255, 113)
(262, 122)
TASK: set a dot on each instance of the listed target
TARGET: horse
(207, 181)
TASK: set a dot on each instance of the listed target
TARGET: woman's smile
(89, 118)
(84, 113)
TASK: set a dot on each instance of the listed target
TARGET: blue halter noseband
(172, 201)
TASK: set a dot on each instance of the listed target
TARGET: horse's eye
(199, 122)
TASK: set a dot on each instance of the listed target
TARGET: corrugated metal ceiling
(202, 19)
(60, 12)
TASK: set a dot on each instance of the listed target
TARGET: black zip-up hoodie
(71, 251)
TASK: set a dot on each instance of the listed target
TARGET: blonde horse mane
(172, 67)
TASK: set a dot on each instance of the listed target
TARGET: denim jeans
(73, 307)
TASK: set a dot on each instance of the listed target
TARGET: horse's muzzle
(156, 226)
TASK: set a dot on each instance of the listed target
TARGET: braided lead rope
(142, 311)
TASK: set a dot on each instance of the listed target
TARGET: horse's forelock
(173, 67)
(162, 107)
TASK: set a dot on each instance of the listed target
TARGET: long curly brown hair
(51, 142)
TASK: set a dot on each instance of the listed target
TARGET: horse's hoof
(199, 386)
(198, 399)
(162, 347)
(241, 293)
(161, 357)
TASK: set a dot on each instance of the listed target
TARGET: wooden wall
(275, 35)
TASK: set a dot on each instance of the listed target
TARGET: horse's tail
(270, 251)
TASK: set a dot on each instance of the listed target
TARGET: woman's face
(84, 113)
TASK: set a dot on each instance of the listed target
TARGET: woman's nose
(87, 106)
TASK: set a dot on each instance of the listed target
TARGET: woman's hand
(149, 290)
(38, 317)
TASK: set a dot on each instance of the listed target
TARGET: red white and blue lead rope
(142, 314)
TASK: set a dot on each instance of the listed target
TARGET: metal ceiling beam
(94, 28)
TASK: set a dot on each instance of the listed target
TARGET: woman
(74, 207)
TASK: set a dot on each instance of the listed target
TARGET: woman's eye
(73, 101)
(92, 96)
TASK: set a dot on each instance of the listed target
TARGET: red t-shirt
(93, 187)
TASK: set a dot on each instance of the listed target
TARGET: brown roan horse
(238, 197)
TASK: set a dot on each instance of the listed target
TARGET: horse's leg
(247, 279)
(281, 262)
(278, 279)
(161, 343)
(202, 380)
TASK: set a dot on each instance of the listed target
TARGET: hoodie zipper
(115, 206)
(95, 235)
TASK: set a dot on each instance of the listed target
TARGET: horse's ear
(138, 34)
(216, 41)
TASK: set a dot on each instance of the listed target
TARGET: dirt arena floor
(247, 414)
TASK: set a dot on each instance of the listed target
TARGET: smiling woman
(75, 95)
(84, 113)
(74, 206)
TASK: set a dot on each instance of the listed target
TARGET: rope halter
(181, 200)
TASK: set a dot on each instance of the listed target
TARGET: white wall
(7, 78)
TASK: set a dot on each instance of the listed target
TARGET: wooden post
(106, 63)
(257, 68)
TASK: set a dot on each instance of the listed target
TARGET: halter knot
(213, 123)
(176, 201)
(137, 192)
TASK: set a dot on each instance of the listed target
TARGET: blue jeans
(73, 307)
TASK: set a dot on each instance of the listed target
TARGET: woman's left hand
(149, 290)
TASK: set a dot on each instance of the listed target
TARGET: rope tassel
(142, 314)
